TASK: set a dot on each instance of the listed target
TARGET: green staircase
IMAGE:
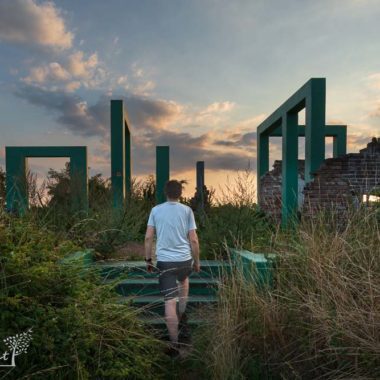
(139, 289)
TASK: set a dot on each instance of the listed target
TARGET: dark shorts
(169, 273)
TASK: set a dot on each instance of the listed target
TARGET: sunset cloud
(70, 74)
(50, 72)
(152, 124)
(28, 22)
(374, 80)
(80, 118)
(144, 88)
(214, 113)
(80, 67)
(218, 107)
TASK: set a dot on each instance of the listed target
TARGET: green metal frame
(162, 172)
(337, 132)
(257, 268)
(120, 154)
(16, 168)
(200, 172)
(284, 122)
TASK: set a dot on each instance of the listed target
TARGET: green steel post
(289, 167)
(262, 158)
(162, 172)
(16, 184)
(117, 154)
(340, 142)
(79, 179)
(315, 127)
(127, 160)
(200, 173)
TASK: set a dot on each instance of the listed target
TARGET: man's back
(172, 221)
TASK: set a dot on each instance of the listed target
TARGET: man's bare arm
(148, 243)
(194, 243)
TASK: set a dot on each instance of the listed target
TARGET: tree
(202, 202)
(58, 187)
(99, 191)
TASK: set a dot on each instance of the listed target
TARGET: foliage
(320, 320)
(79, 331)
(234, 219)
(2, 188)
(202, 201)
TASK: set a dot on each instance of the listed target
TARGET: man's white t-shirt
(172, 221)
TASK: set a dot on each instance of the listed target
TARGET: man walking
(177, 253)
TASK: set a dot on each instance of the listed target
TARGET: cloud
(358, 141)
(72, 111)
(69, 75)
(50, 72)
(152, 122)
(375, 114)
(75, 114)
(72, 86)
(218, 107)
(214, 113)
(144, 88)
(243, 134)
(80, 67)
(185, 150)
(27, 22)
(122, 80)
(138, 72)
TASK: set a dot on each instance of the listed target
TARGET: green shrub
(79, 331)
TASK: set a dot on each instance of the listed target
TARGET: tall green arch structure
(284, 122)
(120, 154)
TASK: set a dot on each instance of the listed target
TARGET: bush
(78, 329)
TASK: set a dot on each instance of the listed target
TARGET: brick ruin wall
(338, 184)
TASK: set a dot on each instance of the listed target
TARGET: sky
(197, 75)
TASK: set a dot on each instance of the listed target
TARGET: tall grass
(234, 219)
(321, 320)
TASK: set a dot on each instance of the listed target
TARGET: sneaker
(183, 329)
(173, 350)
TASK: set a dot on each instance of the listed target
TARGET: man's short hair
(173, 189)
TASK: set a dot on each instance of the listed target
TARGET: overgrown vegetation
(233, 217)
(321, 320)
(79, 331)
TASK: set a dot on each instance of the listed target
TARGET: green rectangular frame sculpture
(162, 172)
(284, 122)
(120, 154)
(16, 168)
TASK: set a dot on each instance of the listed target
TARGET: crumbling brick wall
(270, 189)
(341, 182)
(338, 184)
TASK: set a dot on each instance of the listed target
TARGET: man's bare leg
(183, 292)
(172, 319)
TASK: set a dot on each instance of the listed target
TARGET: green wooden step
(155, 303)
(159, 322)
(115, 268)
(149, 286)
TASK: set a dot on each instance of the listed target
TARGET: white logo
(17, 344)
